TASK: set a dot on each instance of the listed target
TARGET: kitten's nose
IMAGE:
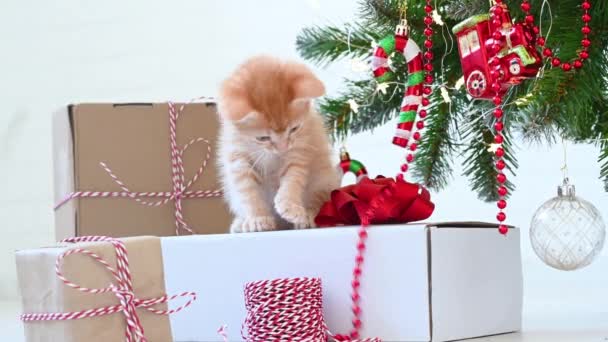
(282, 146)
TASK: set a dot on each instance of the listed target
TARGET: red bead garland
(501, 178)
(548, 52)
(422, 114)
(494, 64)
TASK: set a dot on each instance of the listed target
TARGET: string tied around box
(122, 288)
(181, 187)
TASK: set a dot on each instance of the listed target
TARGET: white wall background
(57, 52)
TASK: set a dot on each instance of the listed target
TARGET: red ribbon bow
(123, 289)
(378, 201)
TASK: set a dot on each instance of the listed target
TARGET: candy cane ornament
(353, 166)
(412, 99)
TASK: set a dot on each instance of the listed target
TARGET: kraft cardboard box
(133, 140)
(43, 292)
(420, 282)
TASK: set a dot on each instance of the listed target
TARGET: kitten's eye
(294, 129)
(263, 138)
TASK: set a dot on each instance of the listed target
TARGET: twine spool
(284, 310)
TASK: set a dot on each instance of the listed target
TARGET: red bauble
(500, 152)
(499, 126)
(497, 100)
(427, 90)
(500, 164)
(567, 67)
(413, 147)
(541, 41)
(586, 42)
(428, 44)
(428, 55)
(501, 204)
(502, 191)
(501, 216)
(501, 178)
(556, 62)
(547, 52)
(498, 113)
(498, 10)
(428, 32)
(428, 20)
(502, 229)
(526, 6)
(578, 64)
(586, 5)
(536, 30)
(425, 102)
(530, 19)
(404, 168)
(417, 136)
(428, 79)
(584, 54)
(586, 30)
(422, 113)
(428, 8)
(498, 139)
(586, 17)
(420, 124)
(409, 158)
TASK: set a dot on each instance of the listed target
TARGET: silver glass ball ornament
(567, 232)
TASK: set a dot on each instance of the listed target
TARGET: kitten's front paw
(309, 223)
(254, 224)
(292, 212)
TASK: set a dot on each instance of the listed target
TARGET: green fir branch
(573, 105)
(433, 165)
(323, 45)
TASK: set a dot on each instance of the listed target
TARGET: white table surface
(557, 327)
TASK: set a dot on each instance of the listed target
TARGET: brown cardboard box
(43, 292)
(133, 140)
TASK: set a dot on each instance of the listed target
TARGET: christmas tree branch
(323, 45)
(463, 9)
(479, 160)
(433, 166)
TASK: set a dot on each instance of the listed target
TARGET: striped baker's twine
(123, 289)
(287, 310)
(180, 186)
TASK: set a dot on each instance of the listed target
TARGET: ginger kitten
(274, 150)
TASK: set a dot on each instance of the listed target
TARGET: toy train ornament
(516, 59)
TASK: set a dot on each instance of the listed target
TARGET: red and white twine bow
(287, 310)
(122, 289)
(180, 185)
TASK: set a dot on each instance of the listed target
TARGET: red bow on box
(394, 202)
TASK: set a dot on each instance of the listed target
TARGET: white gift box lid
(420, 282)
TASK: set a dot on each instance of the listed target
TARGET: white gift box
(420, 282)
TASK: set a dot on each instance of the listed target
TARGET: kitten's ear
(248, 120)
(305, 84)
(233, 103)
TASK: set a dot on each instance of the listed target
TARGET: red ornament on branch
(495, 51)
